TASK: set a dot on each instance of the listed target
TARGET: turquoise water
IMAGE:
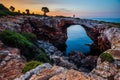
(77, 39)
(116, 20)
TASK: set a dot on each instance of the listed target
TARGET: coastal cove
(52, 37)
(77, 40)
(59, 40)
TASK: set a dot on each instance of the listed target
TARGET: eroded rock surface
(84, 63)
(11, 63)
(108, 70)
(53, 30)
(48, 72)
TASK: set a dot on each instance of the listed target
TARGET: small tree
(12, 8)
(27, 11)
(45, 10)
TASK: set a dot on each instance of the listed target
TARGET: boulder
(108, 70)
(61, 61)
(34, 72)
(89, 62)
(71, 75)
(115, 53)
(76, 57)
(3, 54)
(47, 73)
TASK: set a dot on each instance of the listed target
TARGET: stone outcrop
(71, 75)
(52, 30)
(50, 49)
(35, 71)
(107, 70)
(48, 72)
(56, 55)
(63, 61)
(105, 35)
(83, 63)
(11, 63)
(103, 71)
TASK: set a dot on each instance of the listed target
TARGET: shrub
(26, 43)
(106, 57)
(42, 57)
(2, 13)
(30, 36)
(30, 65)
(14, 39)
(6, 12)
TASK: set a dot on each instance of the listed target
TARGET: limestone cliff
(52, 31)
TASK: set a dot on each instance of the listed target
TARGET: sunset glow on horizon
(81, 8)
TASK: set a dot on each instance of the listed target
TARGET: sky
(81, 8)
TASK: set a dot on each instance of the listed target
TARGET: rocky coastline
(52, 35)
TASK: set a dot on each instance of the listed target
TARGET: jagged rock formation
(53, 30)
(105, 37)
(56, 55)
(84, 63)
(107, 70)
(11, 63)
(49, 48)
(103, 71)
(48, 72)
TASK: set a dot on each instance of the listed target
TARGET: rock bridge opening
(78, 40)
(85, 39)
(56, 33)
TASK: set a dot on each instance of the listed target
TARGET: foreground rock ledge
(48, 72)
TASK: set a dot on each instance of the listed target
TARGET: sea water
(77, 40)
(115, 20)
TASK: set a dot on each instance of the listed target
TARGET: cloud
(40, 1)
(62, 10)
(30, 2)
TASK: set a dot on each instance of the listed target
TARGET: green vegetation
(15, 39)
(26, 43)
(41, 57)
(30, 65)
(117, 25)
(30, 36)
(5, 11)
(2, 7)
(106, 57)
(11, 11)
